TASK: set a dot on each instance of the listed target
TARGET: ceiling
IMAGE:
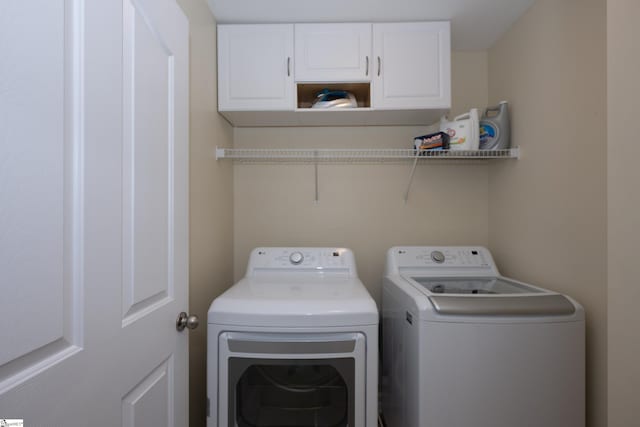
(475, 24)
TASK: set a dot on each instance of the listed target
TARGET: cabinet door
(333, 52)
(255, 67)
(412, 65)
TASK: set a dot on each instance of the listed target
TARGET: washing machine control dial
(296, 257)
(437, 256)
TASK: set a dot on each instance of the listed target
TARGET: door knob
(186, 321)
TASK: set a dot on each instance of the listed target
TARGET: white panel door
(333, 52)
(412, 65)
(93, 218)
(255, 67)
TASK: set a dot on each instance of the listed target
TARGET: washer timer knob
(296, 257)
(437, 256)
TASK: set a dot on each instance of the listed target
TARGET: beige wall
(211, 198)
(547, 211)
(543, 216)
(623, 88)
(361, 206)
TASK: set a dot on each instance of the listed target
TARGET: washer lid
(286, 300)
(490, 296)
(474, 286)
(537, 305)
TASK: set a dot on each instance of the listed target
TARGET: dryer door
(301, 380)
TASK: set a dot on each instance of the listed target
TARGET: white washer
(294, 343)
(463, 346)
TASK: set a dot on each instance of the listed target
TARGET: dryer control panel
(441, 260)
(327, 260)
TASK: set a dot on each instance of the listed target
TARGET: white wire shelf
(357, 154)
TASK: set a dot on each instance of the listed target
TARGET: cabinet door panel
(333, 52)
(255, 67)
(412, 65)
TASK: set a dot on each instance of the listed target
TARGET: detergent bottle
(463, 130)
(495, 128)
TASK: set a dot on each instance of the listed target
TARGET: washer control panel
(301, 259)
(435, 260)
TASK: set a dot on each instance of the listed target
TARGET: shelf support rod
(413, 170)
(315, 165)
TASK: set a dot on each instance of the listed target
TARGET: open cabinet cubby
(307, 92)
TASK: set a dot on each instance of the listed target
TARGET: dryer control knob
(296, 257)
(437, 256)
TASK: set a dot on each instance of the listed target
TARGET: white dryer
(463, 346)
(294, 343)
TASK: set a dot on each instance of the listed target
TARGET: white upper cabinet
(255, 67)
(412, 65)
(269, 74)
(333, 52)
